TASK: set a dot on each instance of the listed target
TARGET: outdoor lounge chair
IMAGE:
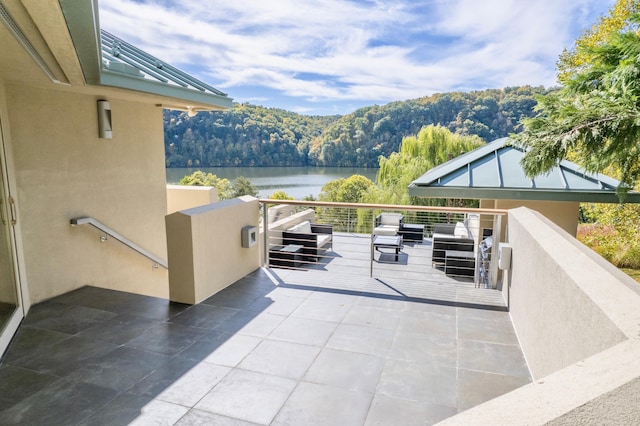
(388, 224)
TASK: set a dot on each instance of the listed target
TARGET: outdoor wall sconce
(104, 120)
(249, 236)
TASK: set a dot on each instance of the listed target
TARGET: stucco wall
(577, 318)
(562, 213)
(182, 197)
(205, 251)
(548, 293)
(64, 170)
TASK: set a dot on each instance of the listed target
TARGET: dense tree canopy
(249, 135)
(595, 115)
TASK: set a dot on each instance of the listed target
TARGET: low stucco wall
(182, 197)
(560, 300)
(577, 318)
(205, 250)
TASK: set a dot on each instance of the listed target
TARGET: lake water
(298, 182)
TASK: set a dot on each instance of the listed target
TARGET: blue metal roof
(107, 60)
(126, 66)
(493, 171)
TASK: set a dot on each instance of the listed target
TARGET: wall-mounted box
(249, 236)
(504, 256)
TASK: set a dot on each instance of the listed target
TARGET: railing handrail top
(386, 206)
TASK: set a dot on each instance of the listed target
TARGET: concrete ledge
(182, 197)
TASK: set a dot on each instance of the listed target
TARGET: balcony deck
(326, 345)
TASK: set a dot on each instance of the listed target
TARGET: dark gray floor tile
(120, 329)
(30, 342)
(204, 347)
(65, 318)
(154, 412)
(252, 323)
(338, 406)
(17, 384)
(492, 358)
(346, 370)
(119, 369)
(284, 359)
(121, 411)
(67, 356)
(248, 395)
(167, 338)
(60, 403)
(476, 387)
(233, 297)
(386, 411)
(203, 316)
(156, 308)
(162, 377)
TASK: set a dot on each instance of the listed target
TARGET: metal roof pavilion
(494, 172)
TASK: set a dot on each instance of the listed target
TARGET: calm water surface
(298, 182)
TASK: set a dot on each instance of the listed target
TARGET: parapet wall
(205, 248)
(577, 318)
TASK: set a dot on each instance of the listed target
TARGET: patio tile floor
(280, 347)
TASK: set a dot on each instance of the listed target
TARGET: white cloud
(366, 50)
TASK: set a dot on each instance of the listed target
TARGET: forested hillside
(249, 135)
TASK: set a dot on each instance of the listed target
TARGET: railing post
(497, 237)
(373, 225)
(265, 233)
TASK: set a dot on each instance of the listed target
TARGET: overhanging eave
(520, 194)
(201, 99)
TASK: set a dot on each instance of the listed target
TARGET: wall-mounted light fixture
(105, 129)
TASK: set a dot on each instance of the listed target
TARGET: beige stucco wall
(182, 197)
(577, 318)
(205, 251)
(64, 170)
(562, 213)
(556, 318)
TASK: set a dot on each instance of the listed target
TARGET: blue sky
(334, 56)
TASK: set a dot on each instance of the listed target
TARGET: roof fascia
(210, 100)
(520, 194)
(83, 23)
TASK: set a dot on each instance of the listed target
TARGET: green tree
(575, 59)
(280, 195)
(199, 178)
(432, 146)
(353, 189)
(243, 186)
(595, 116)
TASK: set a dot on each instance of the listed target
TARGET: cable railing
(127, 242)
(416, 242)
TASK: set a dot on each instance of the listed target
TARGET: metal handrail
(127, 242)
